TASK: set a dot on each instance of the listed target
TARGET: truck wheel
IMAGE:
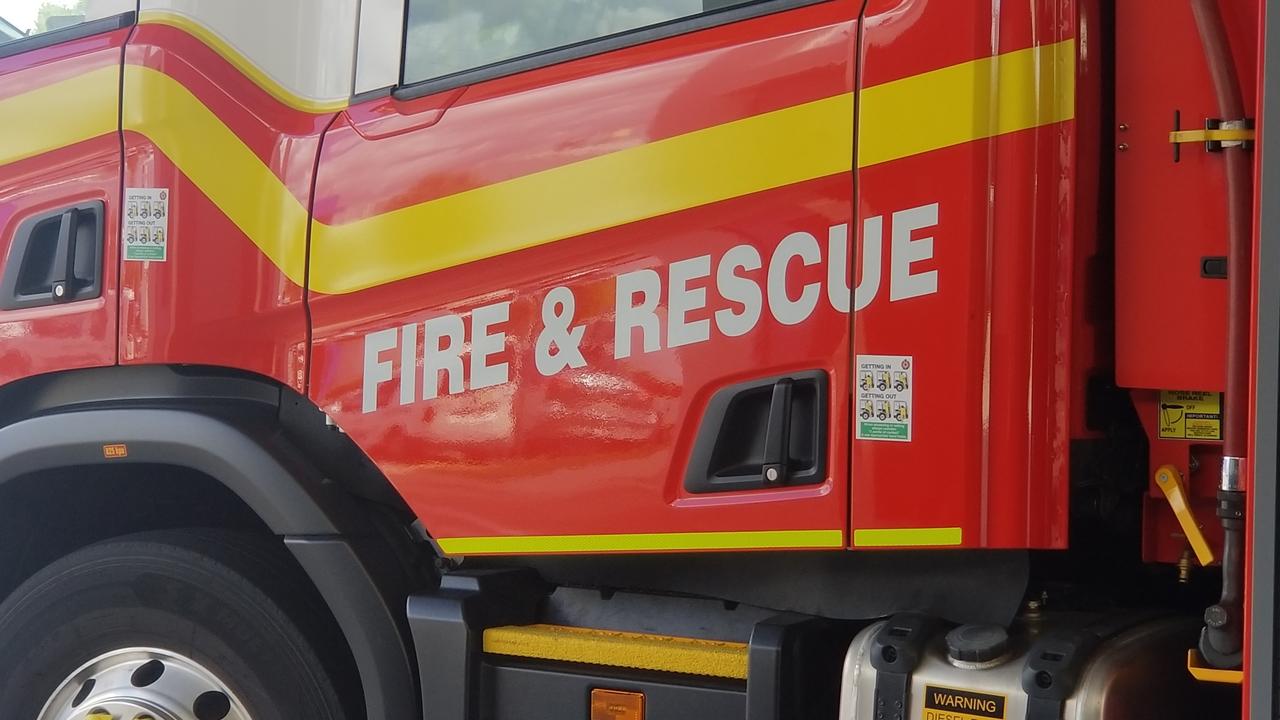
(183, 625)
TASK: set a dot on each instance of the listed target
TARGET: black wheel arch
(269, 447)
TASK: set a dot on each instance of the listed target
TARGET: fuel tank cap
(980, 645)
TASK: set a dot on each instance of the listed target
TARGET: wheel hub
(143, 684)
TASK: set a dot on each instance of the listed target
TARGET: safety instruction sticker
(942, 703)
(883, 402)
(146, 224)
(1190, 415)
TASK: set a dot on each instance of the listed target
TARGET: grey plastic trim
(1262, 624)
(263, 472)
(75, 32)
(246, 452)
(379, 648)
(118, 387)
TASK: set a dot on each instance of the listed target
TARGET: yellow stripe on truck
(688, 656)
(220, 164)
(942, 108)
(954, 105)
(646, 542)
(967, 102)
(60, 114)
(909, 537)
(726, 161)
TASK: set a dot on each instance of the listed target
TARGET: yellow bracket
(1198, 670)
(1170, 482)
(1218, 135)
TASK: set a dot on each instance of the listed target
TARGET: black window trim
(585, 48)
(67, 34)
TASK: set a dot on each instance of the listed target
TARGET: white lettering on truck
(639, 327)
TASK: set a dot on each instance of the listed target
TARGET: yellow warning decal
(1190, 415)
(941, 703)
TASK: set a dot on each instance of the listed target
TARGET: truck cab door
(60, 192)
(966, 192)
(579, 272)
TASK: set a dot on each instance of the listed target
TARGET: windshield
(26, 18)
(8, 31)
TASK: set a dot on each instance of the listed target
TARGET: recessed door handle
(64, 259)
(777, 439)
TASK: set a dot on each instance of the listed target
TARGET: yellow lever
(1215, 135)
(1170, 481)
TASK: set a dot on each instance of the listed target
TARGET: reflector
(616, 705)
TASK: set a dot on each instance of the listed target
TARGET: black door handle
(777, 438)
(45, 254)
(769, 432)
(64, 258)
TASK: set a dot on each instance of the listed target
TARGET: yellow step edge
(611, 648)
(1201, 671)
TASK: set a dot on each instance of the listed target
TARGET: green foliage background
(54, 9)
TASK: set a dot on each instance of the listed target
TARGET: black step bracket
(896, 651)
(448, 633)
(1056, 662)
(794, 666)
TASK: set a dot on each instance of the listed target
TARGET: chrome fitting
(1232, 477)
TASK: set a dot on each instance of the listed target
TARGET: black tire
(226, 601)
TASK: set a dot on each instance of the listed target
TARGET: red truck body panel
(77, 335)
(600, 449)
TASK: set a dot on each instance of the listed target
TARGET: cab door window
(447, 37)
(23, 28)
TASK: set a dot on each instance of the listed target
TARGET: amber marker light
(616, 705)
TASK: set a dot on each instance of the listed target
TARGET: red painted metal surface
(1170, 322)
(78, 334)
(991, 347)
(218, 300)
(603, 448)
(604, 451)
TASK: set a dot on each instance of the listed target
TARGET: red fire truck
(627, 359)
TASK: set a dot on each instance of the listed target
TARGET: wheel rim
(143, 684)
